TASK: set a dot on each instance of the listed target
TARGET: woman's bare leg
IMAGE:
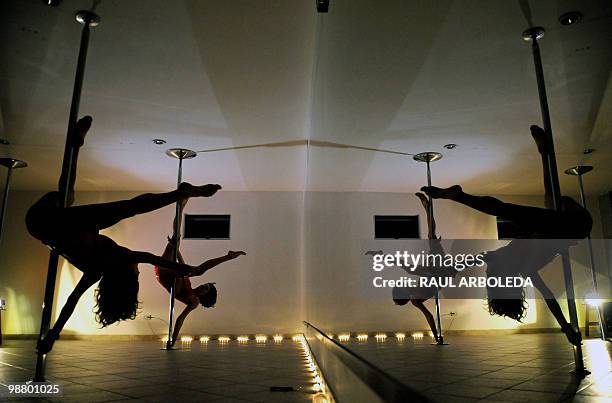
(431, 221)
(104, 215)
(76, 139)
(169, 250)
(539, 137)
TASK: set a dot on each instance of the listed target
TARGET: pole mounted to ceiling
(579, 171)
(533, 35)
(180, 154)
(429, 157)
(10, 163)
(88, 19)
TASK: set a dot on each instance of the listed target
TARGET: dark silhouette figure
(418, 295)
(205, 294)
(74, 233)
(571, 223)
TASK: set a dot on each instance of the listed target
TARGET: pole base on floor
(34, 381)
(580, 374)
(428, 156)
(533, 32)
(442, 343)
(578, 170)
(12, 163)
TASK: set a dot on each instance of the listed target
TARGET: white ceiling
(407, 76)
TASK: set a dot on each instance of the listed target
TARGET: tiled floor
(501, 368)
(93, 371)
(515, 368)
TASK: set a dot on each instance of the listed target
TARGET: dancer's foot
(440, 193)
(424, 200)
(539, 135)
(188, 190)
(77, 136)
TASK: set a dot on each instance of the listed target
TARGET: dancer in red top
(205, 294)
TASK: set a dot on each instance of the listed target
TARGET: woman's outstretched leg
(529, 219)
(76, 139)
(539, 136)
(103, 215)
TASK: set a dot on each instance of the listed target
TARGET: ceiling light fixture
(450, 146)
(322, 6)
(159, 142)
(570, 18)
(588, 150)
(4, 142)
(52, 3)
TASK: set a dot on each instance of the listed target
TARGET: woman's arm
(573, 336)
(209, 264)
(181, 318)
(83, 285)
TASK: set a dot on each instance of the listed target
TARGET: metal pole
(592, 259)
(87, 19)
(10, 164)
(5, 198)
(432, 235)
(428, 157)
(578, 171)
(177, 236)
(533, 34)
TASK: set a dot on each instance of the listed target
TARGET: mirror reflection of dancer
(205, 294)
(571, 223)
(418, 295)
(73, 232)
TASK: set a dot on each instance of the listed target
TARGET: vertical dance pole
(11, 164)
(429, 157)
(180, 154)
(88, 19)
(578, 171)
(533, 35)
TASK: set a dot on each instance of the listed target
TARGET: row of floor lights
(259, 338)
(319, 386)
(277, 338)
(380, 337)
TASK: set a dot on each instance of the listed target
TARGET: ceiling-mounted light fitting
(322, 6)
(570, 18)
(52, 3)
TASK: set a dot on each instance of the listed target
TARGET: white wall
(257, 293)
(340, 228)
(298, 267)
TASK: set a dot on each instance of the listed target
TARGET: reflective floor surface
(513, 368)
(96, 371)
